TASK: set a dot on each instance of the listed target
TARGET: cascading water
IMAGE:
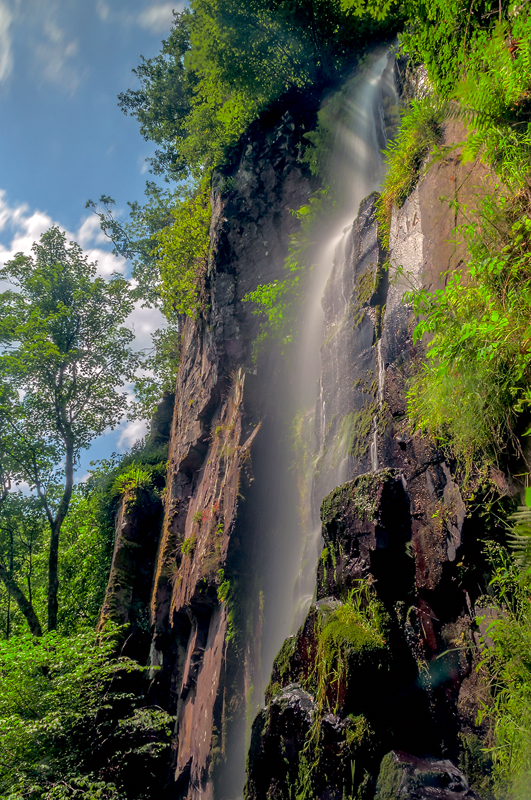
(356, 170)
(284, 508)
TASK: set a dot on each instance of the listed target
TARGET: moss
(389, 779)
(365, 285)
(348, 638)
(357, 731)
(282, 666)
(361, 494)
(359, 426)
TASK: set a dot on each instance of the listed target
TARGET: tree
(64, 356)
(21, 538)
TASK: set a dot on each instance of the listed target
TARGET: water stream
(357, 169)
(284, 520)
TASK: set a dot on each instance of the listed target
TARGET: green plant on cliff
(351, 633)
(419, 134)
(278, 302)
(473, 392)
(134, 478)
(350, 638)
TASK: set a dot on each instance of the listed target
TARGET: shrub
(70, 725)
(473, 391)
(419, 134)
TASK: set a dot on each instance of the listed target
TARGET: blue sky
(63, 138)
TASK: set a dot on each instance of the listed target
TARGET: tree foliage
(64, 355)
(70, 721)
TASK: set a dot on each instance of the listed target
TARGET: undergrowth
(473, 391)
(420, 132)
(506, 670)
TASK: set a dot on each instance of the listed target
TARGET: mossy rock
(405, 776)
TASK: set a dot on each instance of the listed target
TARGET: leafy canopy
(71, 724)
(64, 354)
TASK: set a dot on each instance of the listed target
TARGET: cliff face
(400, 526)
(380, 679)
(202, 666)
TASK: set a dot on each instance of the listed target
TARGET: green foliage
(495, 97)
(506, 670)
(223, 63)
(278, 302)
(64, 346)
(474, 387)
(144, 466)
(188, 546)
(162, 363)
(183, 249)
(70, 724)
(134, 478)
(420, 132)
(224, 587)
(64, 356)
(443, 35)
(350, 634)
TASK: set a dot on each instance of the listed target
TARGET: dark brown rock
(199, 670)
(406, 777)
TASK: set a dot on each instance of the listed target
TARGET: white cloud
(102, 10)
(20, 228)
(157, 18)
(132, 432)
(56, 56)
(144, 321)
(6, 56)
(90, 232)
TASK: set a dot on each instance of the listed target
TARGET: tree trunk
(53, 578)
(22, 601)
(55, 525)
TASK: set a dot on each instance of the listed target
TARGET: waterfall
(284, 517)
(357, 169)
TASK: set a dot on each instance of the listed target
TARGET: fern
(520, 537)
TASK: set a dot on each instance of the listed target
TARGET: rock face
(399, 527)
(381, 672)
(201, 670)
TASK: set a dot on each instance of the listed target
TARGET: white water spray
(358, 170)
(292, 536)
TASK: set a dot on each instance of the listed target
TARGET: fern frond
(519, 538)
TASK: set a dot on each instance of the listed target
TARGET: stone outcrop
(404, 776)
(201, 668)
(399, 525)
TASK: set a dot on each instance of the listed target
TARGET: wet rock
(293, 747)
(347, 405)
(366, 527)
(198, 672)
(406, 777)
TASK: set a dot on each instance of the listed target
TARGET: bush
(70, 725)
(473, 391)
(419, 134)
